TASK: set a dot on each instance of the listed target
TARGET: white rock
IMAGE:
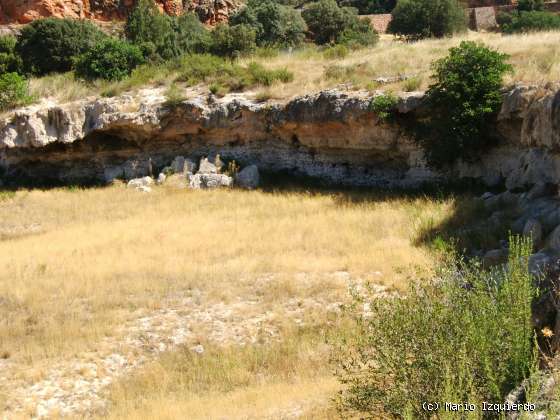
(198, 349)
(248, 177)
(206, 167)
(161, 178)
(209, 180)
(144, 189)
(140, 182)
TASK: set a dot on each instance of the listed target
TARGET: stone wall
(380, 22)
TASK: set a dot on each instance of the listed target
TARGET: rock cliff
(330, 135)
(25, 11)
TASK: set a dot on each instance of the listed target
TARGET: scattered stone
(206, 167)
(198, 349)
(161, 178)
(210, 180)
(494, 257)
(248, 177)
(533, 229)
(140, 182)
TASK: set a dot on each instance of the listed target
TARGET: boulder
(554, 239)
(206, 167)
(248, 177)
(161, 178)
(140, 182)
(533, 229)
(209, 180)
(494, 257)
(539, 263)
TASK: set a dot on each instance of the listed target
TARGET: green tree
(51, 45)
(416, 19)
(465, 100)
(152, 31)
(530, 5)
(534, 21)
(192, 36)
(273, 23)
(111, 59)
(233, 41)
(10, 62)
(330, 23)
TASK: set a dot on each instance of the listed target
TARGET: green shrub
(51, 45)
(229, 76)
(273, 23)
(174, 95)
(111, 59)
(191, 35)
(416, 19)
(336, 52)
(359, 34)
(529, 22)
(13, 91)
(465, 100)
(10, 62)
(384, 105)
(368, 7)
(265, 77)
(530, 5)
(233, 41)
(467, 337)
(330, 23)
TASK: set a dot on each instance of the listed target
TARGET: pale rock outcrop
(248, 177)
(330, 135)
(209, 180)
(206, 167)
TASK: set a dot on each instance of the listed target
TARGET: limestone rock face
(24, 11)
(331, 135)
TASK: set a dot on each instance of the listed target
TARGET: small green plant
(336, 52)
(465, 99)
(466, 337)
(384, 105)
(174, 95)
(13, 91)
(232, 169)
(217, 89)
(111, 59)
(265, 77)
(412, 84)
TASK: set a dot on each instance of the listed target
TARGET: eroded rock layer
(330, 135)
(25, 11)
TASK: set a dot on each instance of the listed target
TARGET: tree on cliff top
(416, 19)
(163, 37)
(51, 45)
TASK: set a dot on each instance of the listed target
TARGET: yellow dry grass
(534, 57)
(75, 264)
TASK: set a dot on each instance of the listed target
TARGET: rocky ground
(78, 385)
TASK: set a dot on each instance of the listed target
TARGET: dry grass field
(534, 57)
(216, 303)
